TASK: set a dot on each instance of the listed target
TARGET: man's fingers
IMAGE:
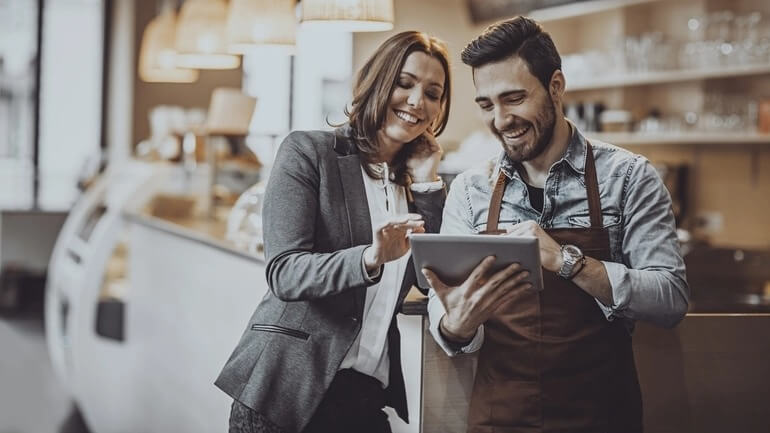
(433, 280)
(512, 283)
(504, 275)
(480, 271)
(508, 272)
(503, 293)
(502, 282)
(510, 293)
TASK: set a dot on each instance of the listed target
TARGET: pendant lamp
(200, 36)
(157, 56)
(267, 23)
(348, 15)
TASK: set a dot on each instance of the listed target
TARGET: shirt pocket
(611, 222)
(584, 220)
(503, 224)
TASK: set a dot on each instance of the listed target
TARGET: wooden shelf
(579, 9)
(694, 138)
(663, 77)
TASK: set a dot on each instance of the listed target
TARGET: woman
(321, 352)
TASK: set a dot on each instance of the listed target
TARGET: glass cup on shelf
(729, 113)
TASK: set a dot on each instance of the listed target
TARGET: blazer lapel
(356, 205)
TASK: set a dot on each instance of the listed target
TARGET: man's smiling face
(516, 107)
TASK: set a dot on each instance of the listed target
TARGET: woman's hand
(390, 240)
(423, 164)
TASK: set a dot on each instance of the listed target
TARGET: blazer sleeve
(290, 211)
(431, 206)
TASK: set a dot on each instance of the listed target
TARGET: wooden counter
(709, 374)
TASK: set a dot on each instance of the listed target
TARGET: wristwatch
(571, 256)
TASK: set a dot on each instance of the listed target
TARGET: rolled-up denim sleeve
(456, 220)
(650, 285)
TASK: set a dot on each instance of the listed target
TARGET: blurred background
(136, 137)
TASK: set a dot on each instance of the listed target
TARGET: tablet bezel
(439, 253)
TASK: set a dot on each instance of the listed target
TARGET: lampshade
(200, 36)
(348, 15)
(230, 112)
(157, 56)
(253, 23)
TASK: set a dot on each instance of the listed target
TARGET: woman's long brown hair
(371, 96)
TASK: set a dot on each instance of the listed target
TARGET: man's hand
(390, 239)
(473, 302)
(550, 250)
(593, 280)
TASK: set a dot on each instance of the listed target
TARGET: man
(560, 359)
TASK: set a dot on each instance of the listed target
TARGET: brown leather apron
(551, 362)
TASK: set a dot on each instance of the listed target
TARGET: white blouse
(369, 352)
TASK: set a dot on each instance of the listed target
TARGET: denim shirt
(646, 270)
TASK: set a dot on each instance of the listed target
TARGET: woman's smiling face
(416, 100)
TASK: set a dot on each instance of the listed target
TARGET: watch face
(571, 255)
(573, 251)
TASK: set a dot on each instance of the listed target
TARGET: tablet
(453, 257)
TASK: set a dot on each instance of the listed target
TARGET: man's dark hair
(520, 37)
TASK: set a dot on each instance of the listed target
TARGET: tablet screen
(453, 257)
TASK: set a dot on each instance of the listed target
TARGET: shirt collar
(507, 166)
(575, 156)
(577, 150)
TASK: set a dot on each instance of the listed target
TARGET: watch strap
(582, 266)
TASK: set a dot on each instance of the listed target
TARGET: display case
(85, 269)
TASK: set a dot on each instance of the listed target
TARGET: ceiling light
(200, 36)
(157, 56)
(252, 23)
(348, 15)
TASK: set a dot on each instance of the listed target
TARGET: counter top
(211, 232)
(206, 231)
(415, 303)
(740, 306)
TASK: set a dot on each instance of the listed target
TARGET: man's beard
(544, 124)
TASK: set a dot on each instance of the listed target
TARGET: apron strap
(496, 203)
(592, 189)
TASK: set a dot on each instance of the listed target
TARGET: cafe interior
(137, 137)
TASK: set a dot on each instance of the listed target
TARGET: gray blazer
(316, 226)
